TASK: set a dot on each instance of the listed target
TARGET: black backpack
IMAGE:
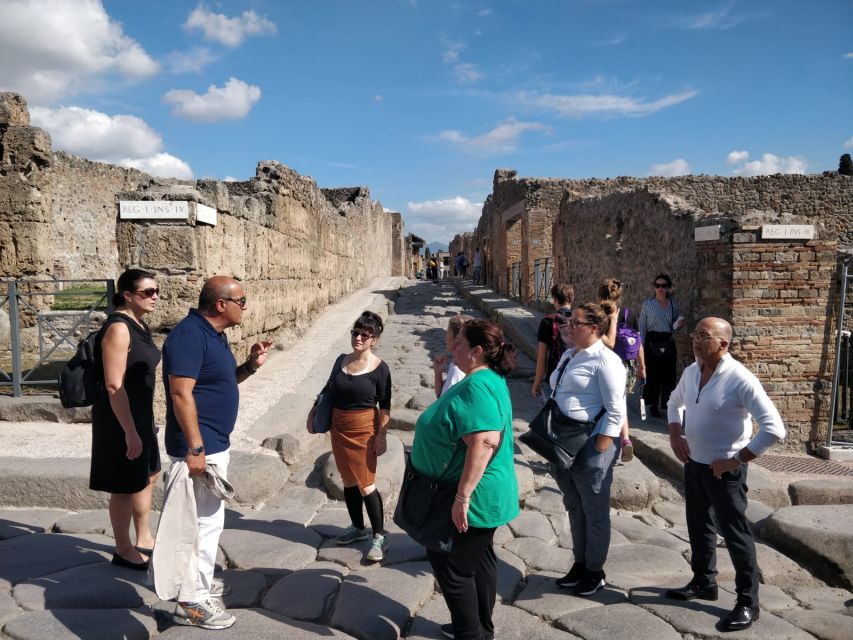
(83, 376)
(559, 338)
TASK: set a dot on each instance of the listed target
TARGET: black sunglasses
(239, 301)
(661, 285)
(355, 333)
(150, 292)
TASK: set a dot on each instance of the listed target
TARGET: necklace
(357, 373)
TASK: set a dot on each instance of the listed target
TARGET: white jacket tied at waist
(174, 563)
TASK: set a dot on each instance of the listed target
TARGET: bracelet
(462, 499)
(248, 369)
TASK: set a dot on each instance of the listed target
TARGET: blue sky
(422, 100)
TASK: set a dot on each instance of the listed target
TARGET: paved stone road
(291, 581)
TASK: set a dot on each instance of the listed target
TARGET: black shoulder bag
(323, 404)
(554, 435)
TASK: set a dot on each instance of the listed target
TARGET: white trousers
(211, 522)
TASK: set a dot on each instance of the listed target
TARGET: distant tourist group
(459, 485)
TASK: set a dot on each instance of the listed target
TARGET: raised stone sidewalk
(290, 580)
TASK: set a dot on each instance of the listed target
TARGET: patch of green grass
(79, 298)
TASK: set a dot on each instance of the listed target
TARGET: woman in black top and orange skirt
(361, 401)
(125, 455)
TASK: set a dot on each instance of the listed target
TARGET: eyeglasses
(150, 292)
(360, 334)
(579, 323)
(238, 301)
(702, 337)
(661, 285)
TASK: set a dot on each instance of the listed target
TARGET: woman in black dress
(125, 455)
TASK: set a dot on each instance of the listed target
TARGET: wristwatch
(737, 457)
(197, 451)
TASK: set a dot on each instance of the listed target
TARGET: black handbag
(424, 504)
(423, 508)
(322, 420)
(555, 436)
(660, 344)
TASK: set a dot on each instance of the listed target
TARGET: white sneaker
(208, 614)
(377, 549)
(218, 588)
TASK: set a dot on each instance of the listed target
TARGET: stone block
(543, 598)
(270, 548)
(13, 110)
(246, 588)
(19, 522)
(41, 554)
(638, 532)
(92, 624)
(634, 487)
(511, 571)
(259, 624)
(538, 555)
(303, 594)
(823, 491)
(256, 477)
(821, 624)
(620, 617)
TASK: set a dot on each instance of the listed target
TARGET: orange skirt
(353, 432)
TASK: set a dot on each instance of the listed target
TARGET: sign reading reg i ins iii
(787, 232)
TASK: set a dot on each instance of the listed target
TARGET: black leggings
(660, 376)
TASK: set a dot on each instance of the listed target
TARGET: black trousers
(708, 498)
(467, 577)
(660, 375)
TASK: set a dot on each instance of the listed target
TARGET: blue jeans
(586, 496)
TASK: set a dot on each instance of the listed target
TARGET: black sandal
(123, 562)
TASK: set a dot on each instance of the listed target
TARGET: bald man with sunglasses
(719, 398)
(201, 376)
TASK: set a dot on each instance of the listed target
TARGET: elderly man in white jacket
(719, 398)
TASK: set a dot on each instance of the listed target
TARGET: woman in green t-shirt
(466, 436)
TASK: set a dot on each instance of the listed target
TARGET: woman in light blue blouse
(659, 319)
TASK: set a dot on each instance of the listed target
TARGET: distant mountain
(436, 246)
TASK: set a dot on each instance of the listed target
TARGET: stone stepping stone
(256, 624)
(100, 585)
(543, 598)
(19, 522)
(618, 621)
(8, 607)
(331, 520)
(819, 534)
(824, 598)
(823, 491)
(73, 624)
(771, 597)
(271, 548)
(648, 562)
(640, 533)
(541, 556)
(700, 618)
(511, 571)
(532, 524)
(634, 487)
(246, 588)
(256, 477)
(776, 568)
(821, 624)
(421, 399)
(378, 604)
(40, 554)
(304, 594)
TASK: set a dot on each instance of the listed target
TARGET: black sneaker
(591, 583)
(573, 577)
(447, 631)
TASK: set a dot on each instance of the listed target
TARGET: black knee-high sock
(354, 501)
(373, 503)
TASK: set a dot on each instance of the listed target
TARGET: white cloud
(231, 102)
(771, 164)
(230, 179)
(378, 98)
(848, 55)
(678, 167)
(848, 144)
(502, 139)
(466, 73)
(164, 165)
(52, 48)
(440, 220)
(736, 157)
(228, 31)
(581, 105)
(192, 61)
(452, 49)
(482, 13)
(720, 19)
(121, 139)
(96, 135)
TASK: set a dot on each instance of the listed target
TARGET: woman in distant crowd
(444, 361)
(659, 319)
(610, 296)
(466, 436)
(551, 344)
(361, 409)
(591, 390)
(125, 455)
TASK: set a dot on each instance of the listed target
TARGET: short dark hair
(500, 356)
(370, 322)
(564, 293)
(129, 281)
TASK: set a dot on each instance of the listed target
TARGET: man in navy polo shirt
(201, 376)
